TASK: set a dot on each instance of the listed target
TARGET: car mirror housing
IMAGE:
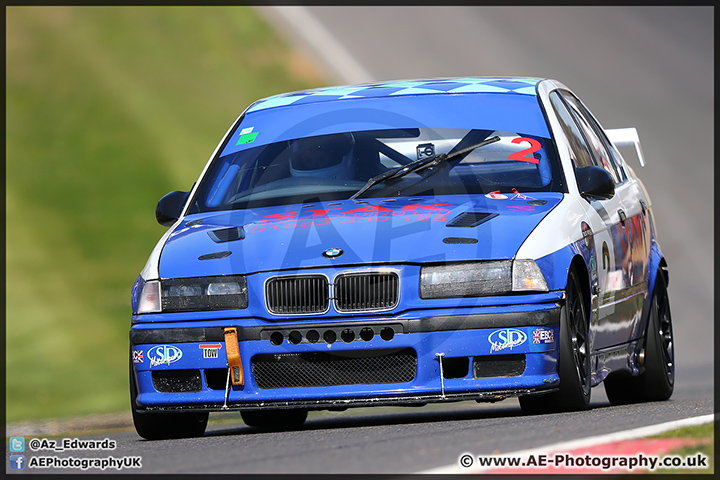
(170, 207)
(595, 182)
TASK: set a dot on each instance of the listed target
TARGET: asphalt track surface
(647, 67)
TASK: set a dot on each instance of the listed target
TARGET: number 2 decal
(534, 147)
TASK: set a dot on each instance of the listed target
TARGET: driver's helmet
(328, 156)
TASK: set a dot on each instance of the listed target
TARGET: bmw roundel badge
(332, 252)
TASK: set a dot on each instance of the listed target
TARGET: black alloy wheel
(574, 362)
(657, 381)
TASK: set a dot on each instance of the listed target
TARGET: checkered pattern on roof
(521, 86)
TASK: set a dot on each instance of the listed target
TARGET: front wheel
(574, 361)
(161, 426)
(658, 380)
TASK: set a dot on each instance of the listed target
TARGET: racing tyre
(658, 379)
(574, 361)
(161, 426)
(274, 419)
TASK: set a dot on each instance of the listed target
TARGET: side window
(601, 146)
(616, 157)
(581, 152)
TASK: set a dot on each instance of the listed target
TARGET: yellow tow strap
(233, 356)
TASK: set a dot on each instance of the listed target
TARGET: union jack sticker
(542, 335)
(138, 356)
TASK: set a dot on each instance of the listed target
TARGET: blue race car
(402, 243)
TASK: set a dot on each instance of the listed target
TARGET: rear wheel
(274, 419)
(574, 361)
(160, 426)
(658, 380)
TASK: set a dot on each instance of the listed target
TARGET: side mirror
(594, 181)
(170, 207)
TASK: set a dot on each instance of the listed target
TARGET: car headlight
(479, 279)
(194, 294)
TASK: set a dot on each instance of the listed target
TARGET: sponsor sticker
(163, 355)
(587, 234)
(542, 336)
(138, 356)
(506, 339)
(247, 136)
(368, 213)
(211, 350)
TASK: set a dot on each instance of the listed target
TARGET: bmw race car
(402, 243)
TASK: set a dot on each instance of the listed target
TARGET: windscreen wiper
(421, 164)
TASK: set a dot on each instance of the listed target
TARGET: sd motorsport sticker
(163, 355)
(506, 339)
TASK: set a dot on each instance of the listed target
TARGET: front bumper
(488, 354)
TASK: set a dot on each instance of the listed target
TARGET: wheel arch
(581, 269)
(556, 269)
(657, 265)
(557, 266)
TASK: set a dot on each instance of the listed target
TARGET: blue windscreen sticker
(485, 111)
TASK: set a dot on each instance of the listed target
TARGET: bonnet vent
(470, 219)
(459, 241)
(227, 234)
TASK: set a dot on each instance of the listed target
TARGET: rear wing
(626, 137)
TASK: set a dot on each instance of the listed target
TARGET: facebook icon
(17, 462)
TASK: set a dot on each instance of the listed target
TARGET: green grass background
(700, 432)
(108, 109)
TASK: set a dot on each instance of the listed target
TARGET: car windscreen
(329, 150)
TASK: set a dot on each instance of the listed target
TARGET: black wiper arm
(421, 164)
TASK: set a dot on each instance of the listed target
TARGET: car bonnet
(372, 231)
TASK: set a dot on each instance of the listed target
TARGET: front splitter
(322, 404)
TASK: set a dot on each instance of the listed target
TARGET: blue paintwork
(394, 89)
(540, 370)
(655, 264)
(401, 231)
